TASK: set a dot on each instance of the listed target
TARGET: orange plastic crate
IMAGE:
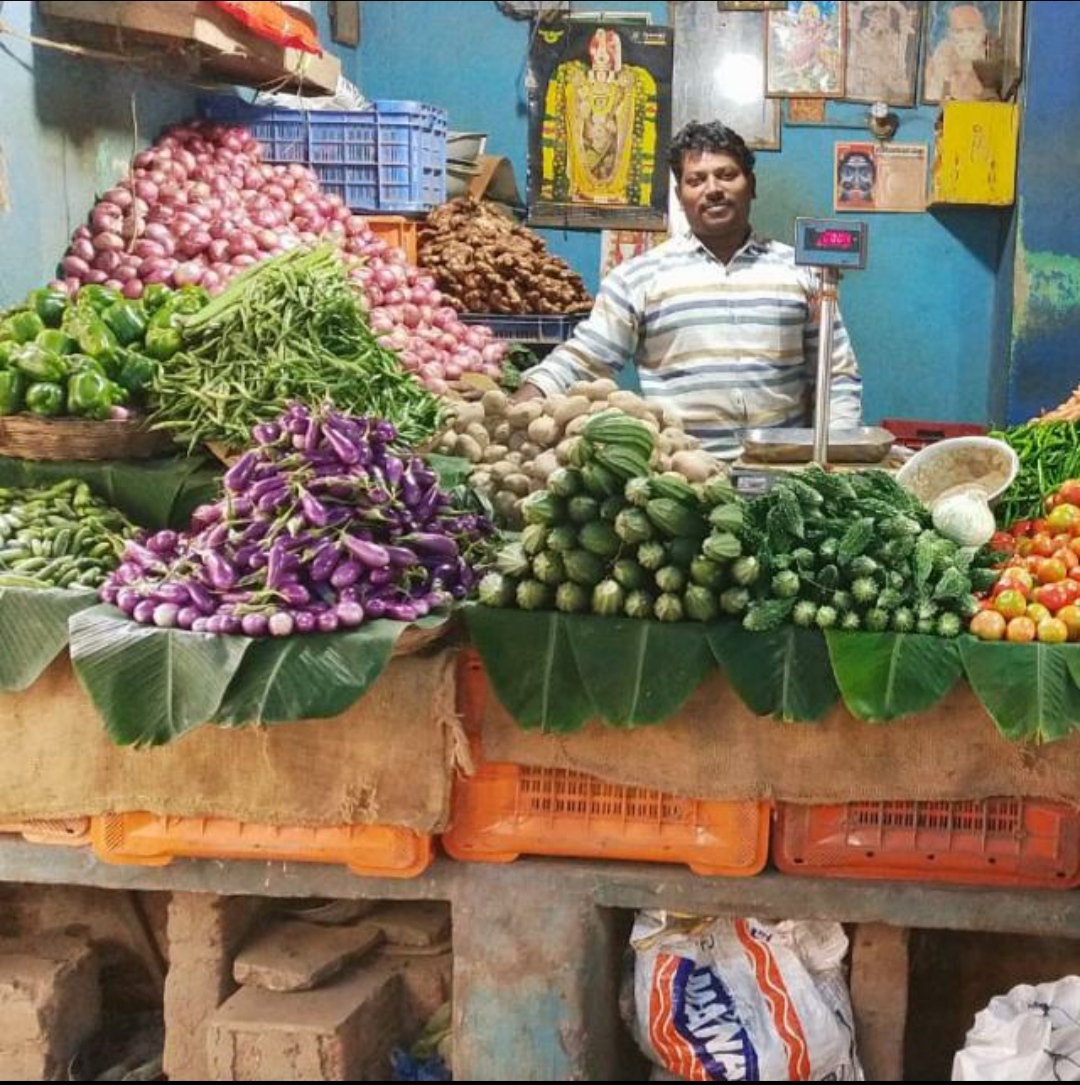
(140, 839)
(65, 832)
(397, 231)
(998, 842)
(915, 433)
(506, 811)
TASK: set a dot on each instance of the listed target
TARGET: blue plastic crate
(389, 158)
(523, 328)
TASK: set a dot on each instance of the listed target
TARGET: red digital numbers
(835, 240)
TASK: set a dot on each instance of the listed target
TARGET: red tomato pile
(1037, 596)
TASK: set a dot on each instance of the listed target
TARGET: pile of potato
(517, 446)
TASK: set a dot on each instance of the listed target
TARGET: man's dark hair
(711, 138)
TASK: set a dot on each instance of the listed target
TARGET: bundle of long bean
(286, 331)
(1049, 454)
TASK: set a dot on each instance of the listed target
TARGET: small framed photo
(880, 177)
(806, 46)
(804, 111)
(883, 51)
(963, 51)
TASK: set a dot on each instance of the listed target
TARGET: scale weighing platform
(830, 246)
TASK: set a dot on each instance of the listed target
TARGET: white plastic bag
(743, 1000)
(1030, 1034)
(346, 99)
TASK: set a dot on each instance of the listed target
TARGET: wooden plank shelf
(193, 40)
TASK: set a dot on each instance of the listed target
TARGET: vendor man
(720, 324)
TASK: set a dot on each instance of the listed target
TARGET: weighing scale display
(834, 243)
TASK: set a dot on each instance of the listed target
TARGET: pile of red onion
(201, 205)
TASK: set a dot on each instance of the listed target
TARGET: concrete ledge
(608, 885)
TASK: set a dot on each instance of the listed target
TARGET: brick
(204, 932)
(428, 985)
(879, 996)
(50, 1003)
(419, 925)
(298, 957)
(344, 1031)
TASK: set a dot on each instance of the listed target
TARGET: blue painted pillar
(536, 976)
(1045, 297)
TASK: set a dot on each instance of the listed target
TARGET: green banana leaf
(637, 672)
(530, 661)
(785, 673)
(153, 494)
(1030, 690)
(153, 685)
(883, 676)
(309, 677)
(453, 471)
(34, 630)
(150, 685)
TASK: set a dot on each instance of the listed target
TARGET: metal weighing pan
(867, 444)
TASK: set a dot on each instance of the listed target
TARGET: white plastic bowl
(961, 463)
(467, 145)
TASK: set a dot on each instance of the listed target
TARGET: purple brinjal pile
(325, 524)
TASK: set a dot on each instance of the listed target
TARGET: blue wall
(922, 317)
(1045, 366)
(65, 134)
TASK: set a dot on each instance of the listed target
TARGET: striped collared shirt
(722, 348)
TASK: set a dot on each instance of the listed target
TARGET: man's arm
(601, 346)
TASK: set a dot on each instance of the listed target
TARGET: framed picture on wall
(804, 111)
(599, 124)
(806, 46)
(883, 51)
(720, 72)
(767, 5)
(961, 43)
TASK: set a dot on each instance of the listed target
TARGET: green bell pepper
(42, 365)
(50, 305)
(96, 339)
(162, 343)
(166, 317)
(79, 363)
(98, 298)
(155, 296)
(12, 391)
(56, 341)
(190, 299)
(8, 349)
(25, 326)
(127, 321)
(137, 373)
(90, 395)
(45, 399)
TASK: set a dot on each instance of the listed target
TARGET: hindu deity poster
(599, 125)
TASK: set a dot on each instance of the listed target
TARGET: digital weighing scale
(830, 246)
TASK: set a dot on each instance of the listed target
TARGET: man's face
(716, 195)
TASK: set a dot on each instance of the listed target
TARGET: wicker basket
(27, 437)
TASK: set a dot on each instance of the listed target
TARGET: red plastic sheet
(272, 22)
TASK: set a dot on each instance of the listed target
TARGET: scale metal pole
(830, 277)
